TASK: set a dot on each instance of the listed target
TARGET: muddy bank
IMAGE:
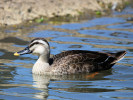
(17, 11)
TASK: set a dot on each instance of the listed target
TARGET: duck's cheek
(38, 50)
(36, 54)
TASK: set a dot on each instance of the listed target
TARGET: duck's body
(69, 62)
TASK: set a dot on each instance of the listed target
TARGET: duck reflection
(41, 82)
(70, 83)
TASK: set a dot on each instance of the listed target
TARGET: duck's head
(38, 46)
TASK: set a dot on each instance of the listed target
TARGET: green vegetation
(98, 13)
(39, 20)
(127, 3)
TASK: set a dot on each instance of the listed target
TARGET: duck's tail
(118, 56)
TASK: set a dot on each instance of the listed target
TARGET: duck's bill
(22, 52)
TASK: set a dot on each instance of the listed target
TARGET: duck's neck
(42, 65)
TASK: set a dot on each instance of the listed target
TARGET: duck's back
(77, 61)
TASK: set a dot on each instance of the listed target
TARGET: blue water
(109, 34)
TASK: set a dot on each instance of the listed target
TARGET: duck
(69, 62)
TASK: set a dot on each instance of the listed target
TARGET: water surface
(109, 34)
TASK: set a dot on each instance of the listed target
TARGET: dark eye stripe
(40, 39)
(34, 44)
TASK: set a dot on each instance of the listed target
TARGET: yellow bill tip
(16, 54)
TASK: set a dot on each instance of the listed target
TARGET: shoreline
(14, 12)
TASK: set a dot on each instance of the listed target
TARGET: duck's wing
(85, 61)
(99, 57)
(72, 52)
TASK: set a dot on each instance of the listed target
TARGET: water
(110, 34)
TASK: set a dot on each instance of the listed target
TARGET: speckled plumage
(80, 61)
(69, 62)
